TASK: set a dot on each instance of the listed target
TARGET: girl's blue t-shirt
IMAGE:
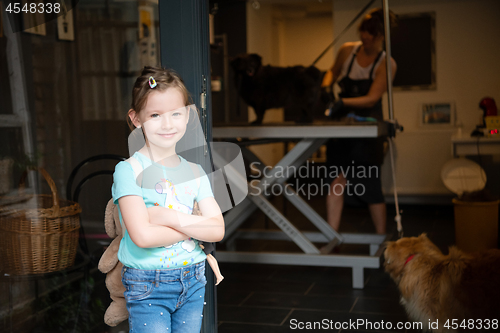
(176, 188)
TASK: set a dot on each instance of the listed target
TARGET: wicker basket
(6, 175)
(38, 234)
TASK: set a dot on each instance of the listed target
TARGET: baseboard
(421, 199)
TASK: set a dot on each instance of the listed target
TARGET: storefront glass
(64, 95)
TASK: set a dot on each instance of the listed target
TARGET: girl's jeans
(165, 300)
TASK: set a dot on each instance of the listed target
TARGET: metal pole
(225, 84)
(388, 64)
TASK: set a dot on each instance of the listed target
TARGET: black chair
(71, 179)
(86, 257)
(73, 196)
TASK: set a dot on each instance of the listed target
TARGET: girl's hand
(162, 216)
(137, 222)
(209, 227)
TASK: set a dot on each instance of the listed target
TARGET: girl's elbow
(142, 245)
(139, 239)
(220, 235)
(222, 230)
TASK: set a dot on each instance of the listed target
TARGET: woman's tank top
(358, 72)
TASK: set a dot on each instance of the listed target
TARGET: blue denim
(165, 300)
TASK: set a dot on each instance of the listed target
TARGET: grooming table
(310, 137)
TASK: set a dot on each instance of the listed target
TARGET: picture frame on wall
(34, 23)
(413, 47)
(65, 26)
(147, 35)
(437, 115)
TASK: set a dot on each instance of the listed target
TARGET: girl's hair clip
(152, 82)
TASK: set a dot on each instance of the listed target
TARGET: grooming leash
(396, 202)
(343, 32)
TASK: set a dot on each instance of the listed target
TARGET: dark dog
(266, 87)
(457, 292)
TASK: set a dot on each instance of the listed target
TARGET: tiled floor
(264, 298)
(268, 298)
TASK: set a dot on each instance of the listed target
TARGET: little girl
(164, 273)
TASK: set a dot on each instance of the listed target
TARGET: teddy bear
(112, 267)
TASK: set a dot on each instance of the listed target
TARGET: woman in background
(360, 69)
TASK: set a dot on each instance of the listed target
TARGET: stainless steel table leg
(358, 277)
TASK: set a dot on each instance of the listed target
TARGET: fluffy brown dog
(458, 289)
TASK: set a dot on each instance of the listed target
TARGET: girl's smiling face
(164, 119)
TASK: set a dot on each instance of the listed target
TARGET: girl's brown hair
(165, 79)
(373, 22)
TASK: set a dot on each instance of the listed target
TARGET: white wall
(262, 38)
(285, 37)
(260, 33)
(467, 49)
(290, 35)
(304, 39)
